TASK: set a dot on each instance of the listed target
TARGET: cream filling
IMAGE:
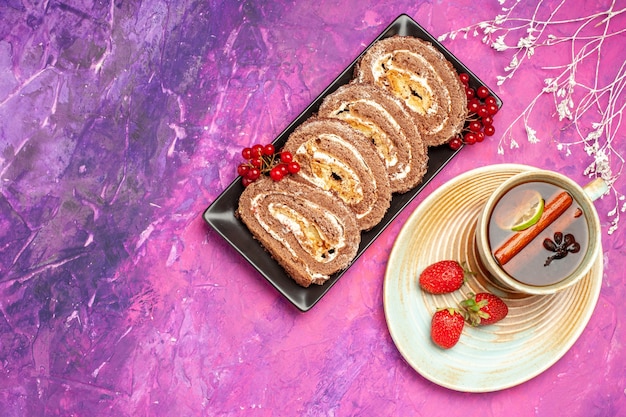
(386, 148)
(309, 236)
(405, 82)
(326, 167)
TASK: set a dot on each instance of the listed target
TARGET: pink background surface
(193, 329)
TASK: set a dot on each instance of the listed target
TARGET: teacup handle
(596, 188)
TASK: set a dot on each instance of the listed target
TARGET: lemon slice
(531, 211)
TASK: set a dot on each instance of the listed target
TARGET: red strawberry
(446, 327)
(484, 308)
(444, 277)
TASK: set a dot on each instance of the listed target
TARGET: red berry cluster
(264, 160)
(482, 107)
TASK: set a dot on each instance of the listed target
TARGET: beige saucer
(539, 329)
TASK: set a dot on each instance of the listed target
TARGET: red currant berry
(243, 169)
(469, 138)
(293, 167)
(473, 105)
(256, 162)
(246, 181)
(480, 136)
(455, 143)
(276, 174)
(491, 109)
(286, 156)
(475, 126)
(482, 111)
(470, 93)
(253, 174)
(257, 151)
(487, 120)
(491, 100)
(282, 168)
(246, 153)
(490, 130)
(268, 150)
(482, 91)
(464, 77)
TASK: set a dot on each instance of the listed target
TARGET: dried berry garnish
(561, 246)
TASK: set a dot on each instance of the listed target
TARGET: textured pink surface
(121, 123)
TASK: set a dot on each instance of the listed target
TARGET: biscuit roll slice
(416, 72)
(337, 158)
(308, 231)
(381, 117)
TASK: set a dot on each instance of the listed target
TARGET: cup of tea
(539, 232)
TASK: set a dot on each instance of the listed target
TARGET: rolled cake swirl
(381, 117)
(423, 78)
(308, 231)
(337, 158)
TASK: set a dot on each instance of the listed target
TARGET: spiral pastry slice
(308, 231)
(337, 158)
(416, 72)
(381, 117)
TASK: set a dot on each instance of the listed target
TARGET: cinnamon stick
(519, 240)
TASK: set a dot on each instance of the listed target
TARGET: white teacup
(524, 261)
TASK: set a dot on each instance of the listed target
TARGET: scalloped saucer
(539, 329)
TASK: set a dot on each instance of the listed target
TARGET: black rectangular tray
(220, 215)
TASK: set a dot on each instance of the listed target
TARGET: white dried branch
(595, 112)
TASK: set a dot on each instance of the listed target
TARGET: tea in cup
(539, 232)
